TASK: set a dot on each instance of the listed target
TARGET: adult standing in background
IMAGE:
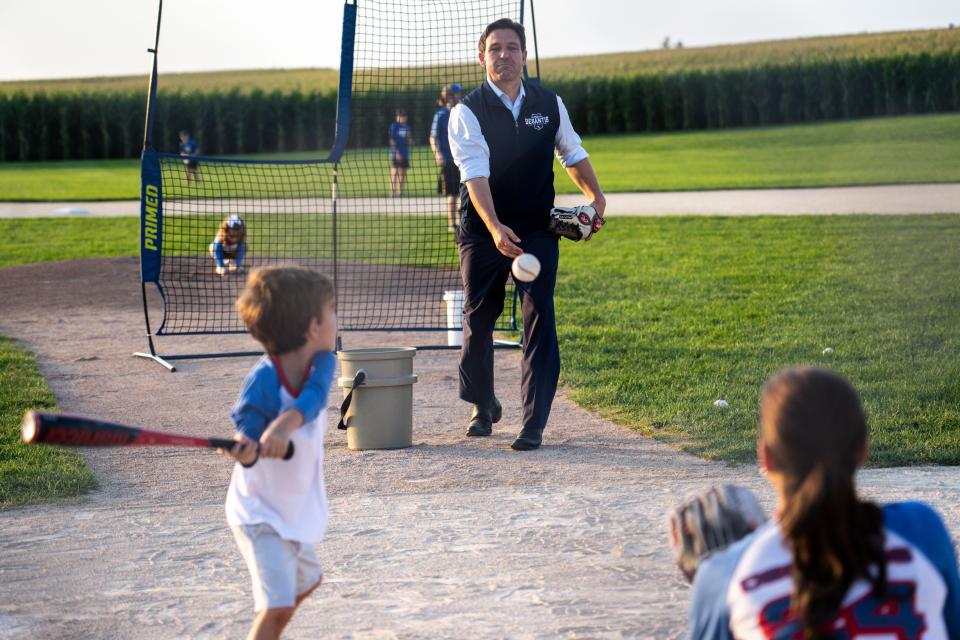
(448, 180)
(503, 137)
(400, 142)
(190, 149)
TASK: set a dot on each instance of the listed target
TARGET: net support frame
(152, 202)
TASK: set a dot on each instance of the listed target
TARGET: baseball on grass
(525, 267)
(721, 404)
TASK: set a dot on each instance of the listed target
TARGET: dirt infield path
(451, 538)
(902, 198)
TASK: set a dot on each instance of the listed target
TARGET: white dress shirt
(471, 153)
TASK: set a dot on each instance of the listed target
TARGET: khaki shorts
(280, 570)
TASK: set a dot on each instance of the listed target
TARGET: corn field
(40, 126)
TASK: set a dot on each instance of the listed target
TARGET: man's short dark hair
(503, 23)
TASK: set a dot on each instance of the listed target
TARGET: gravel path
(450, 538)
(904, 198)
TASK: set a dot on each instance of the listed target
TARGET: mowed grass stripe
(390, 239)
(659, 317)
(908, 149)
(35, 240)
(30, 474)
(913, 149)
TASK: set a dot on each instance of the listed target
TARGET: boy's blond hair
(278, 304)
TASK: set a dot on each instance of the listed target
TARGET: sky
(83, 38)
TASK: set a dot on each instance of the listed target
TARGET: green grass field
(906, 149)
(659, 317)
(606, 65)
(81, 180)
(31, 474)
(34, 240)
(909, 149)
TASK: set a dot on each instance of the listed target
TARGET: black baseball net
(391, 254)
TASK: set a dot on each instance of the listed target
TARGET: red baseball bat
(38, 427)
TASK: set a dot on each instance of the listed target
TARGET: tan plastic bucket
(377, 412)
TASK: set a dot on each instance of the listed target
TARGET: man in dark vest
(503, 137)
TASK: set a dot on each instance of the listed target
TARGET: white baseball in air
(721, 404)
(525, 267)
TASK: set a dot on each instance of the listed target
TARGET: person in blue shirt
(829, 564)
(400, 142)
(448, 178)
(190, 149)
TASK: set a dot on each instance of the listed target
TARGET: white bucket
(454, 300)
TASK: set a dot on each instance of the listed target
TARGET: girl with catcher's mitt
(829, 564)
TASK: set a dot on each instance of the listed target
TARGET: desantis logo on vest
(537, 121)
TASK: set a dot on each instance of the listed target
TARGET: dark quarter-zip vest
(521, 158)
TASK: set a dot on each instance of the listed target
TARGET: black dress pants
(484, 271)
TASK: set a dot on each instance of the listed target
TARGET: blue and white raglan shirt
(223, 251)
(744, 591)
(289, 495)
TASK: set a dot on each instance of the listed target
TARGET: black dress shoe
(482, 418)
(527, 440)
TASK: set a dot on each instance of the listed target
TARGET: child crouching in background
(230, 245)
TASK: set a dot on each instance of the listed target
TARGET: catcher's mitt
(576, 223)
(711, 520)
